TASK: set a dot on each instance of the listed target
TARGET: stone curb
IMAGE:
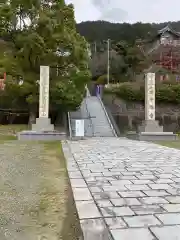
(93, 228)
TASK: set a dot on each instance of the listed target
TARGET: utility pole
(95, 48)
(108, 60)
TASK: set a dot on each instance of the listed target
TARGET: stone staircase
(95, 118)
(82, 113)
(99, 119)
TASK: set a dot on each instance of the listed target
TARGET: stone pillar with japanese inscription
(43, 123)
(150, 124)
(150, 96)
(44, 92)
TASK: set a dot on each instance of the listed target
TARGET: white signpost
(79, 128)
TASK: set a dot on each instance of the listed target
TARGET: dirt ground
(36, 201)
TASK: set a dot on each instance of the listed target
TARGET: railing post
(69, 124)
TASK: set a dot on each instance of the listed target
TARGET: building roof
(169, 29)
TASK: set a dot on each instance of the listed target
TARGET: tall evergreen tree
(43, 33)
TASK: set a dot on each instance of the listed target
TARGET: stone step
(99, 120)
(95, 120)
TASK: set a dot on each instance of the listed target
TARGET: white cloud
(128, 10)
(84, 10)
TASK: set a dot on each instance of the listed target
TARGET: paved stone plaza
(132, 187)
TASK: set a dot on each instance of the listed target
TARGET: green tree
(133, 61)
(102, 30)
(136, 61)
(43, 33)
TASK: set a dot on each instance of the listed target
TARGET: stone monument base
(41, 136)
(150, 126)
(153, 136)
(43, 124)
(42, 130)
(150, 130)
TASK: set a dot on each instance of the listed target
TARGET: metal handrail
(116, 128)
(89, 117)
(69, 124)
(87, 91)
(107, 116)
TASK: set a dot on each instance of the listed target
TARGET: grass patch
(12, 128)
(8, 132)
(170, 144)
(4, 138)
(54, 216)
(71, 226)
(57, 199)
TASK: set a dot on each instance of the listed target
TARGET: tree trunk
(32, 118)
(12, 118)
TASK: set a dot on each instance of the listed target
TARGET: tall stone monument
(150, 128)
(150, 124)
(42, 129)
(43, 123)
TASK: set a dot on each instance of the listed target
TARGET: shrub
(102, 80)
(165, 93)
(130, 93)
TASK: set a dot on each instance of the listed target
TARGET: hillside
(101, 30)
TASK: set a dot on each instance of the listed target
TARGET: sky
(127, 10)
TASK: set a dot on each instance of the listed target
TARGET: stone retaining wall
(129, 115)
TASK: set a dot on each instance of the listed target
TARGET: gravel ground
(32, 192)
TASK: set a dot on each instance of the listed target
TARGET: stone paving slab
(167, 232)
(130, 188)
